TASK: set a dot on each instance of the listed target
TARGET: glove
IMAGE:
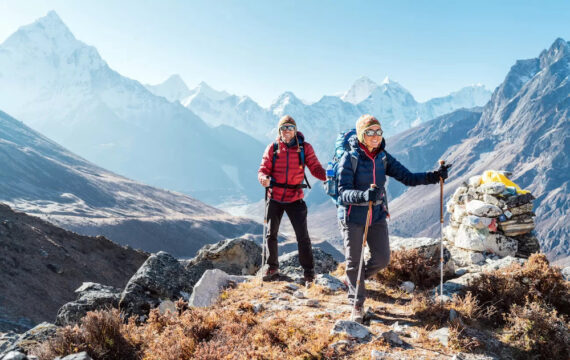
(372, 194)
(442, 171)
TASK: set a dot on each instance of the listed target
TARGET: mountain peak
(360, 90)
(386, 81)
(559, 49)
(173, 88)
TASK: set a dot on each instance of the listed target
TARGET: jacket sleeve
(313, 163)
(266, 166)
(347, 193)
(403, 175)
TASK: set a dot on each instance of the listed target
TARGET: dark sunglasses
(378, 132)
(287, 127)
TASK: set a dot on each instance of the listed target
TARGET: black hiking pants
(297, 213)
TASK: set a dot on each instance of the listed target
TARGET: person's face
(287, 132)
(374, 140)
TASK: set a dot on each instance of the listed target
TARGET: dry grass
(409, 265)
(537, 329)
(510, 286)
(431, 313)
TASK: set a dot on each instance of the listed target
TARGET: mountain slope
(62, 88)
(42, 265)
(173, 88)
(42, 178)
(524, 129)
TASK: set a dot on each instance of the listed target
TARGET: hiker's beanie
(363, 123)
(286, 120)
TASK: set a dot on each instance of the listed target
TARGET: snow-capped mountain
(62, 88)
(173, 88)
(323, 120)
(524, 129)
(41, 178)
(359, 91)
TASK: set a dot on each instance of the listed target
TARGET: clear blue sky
(262, 48)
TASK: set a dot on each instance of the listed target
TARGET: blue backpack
(341, 146)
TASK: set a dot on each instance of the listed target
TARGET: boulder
(519, 225)
(519, 200)
(466, 258)
(233, 256)
(161, 277)
(480, 208)
(289, 263)
(91, 297)
(442, 335)
(492, 265)
(475, 181)
(210, 285)
(476, 222)
(456, 285)
(392, 338)
(32, 338)
(490, 199)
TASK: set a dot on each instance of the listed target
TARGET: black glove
(442, 171)
(372, 194)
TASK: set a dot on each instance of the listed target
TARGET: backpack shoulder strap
(275, 149)
(354, 161)
(384, 160)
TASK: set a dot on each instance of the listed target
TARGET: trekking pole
(368, 220)
(264, 248)
(441, 163)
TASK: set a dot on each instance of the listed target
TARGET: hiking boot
(270, 274)
(309, 277)
(358, 314)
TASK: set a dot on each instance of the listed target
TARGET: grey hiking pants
(379, 246)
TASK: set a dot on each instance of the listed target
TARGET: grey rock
(566, 273)
(160, 277)
(14, 355)
(453, 315)
(292, 287)
(208, 288)
(493, 188)
(480, 208)
(491, 265)
(490, 199)
(79, 356)
(257, 308)
(392, 338)
(312, 303)
(167, 305)
(7, 340)
(352, 329)
(501, 245)
(91, 297)
(238, 256)
(324, 263)
(340, 343)
(299, 294)
(408, 286)
(38, 334)
(399, 329)
(441, 334)
(456, 285)
(427, 247)
(330, 283)
(461, 271)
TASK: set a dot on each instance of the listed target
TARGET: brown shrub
(506, 287)
(462, 339)
(409, 265)
(469, 308)
(536, 329)
(432, 313)
(100, 335)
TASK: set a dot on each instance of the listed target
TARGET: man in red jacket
(282, 169)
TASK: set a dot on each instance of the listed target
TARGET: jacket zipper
(286, 175)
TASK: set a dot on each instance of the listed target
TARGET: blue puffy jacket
(352, 185)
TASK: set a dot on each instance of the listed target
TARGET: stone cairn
(491, 218)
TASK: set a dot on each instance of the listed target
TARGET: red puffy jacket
(288, 169)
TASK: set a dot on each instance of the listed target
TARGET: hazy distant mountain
(173, 88)
(323, 120)
(62, 88)
(524, 129)
(41, 178)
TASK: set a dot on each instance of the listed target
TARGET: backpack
(300, 143)
(342, 146)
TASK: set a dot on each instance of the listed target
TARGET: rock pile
(490, 217)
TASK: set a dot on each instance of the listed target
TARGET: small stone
(330, 282)
(292, 287)
(14, 355)
(257, 308)
(566, 273)
(392, 337)
(312, 303)
(379, 355)
(167, 305)
(340, 343)
(399, 329)
(441, 334)
(408, 286)
(299, 294)
(352, 329)
(461, 271)
(453, 315)
(79, 356)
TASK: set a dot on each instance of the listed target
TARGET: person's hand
(265, 181)
(372, 194)
(442, 171)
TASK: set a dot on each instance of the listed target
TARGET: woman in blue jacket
(372, 164)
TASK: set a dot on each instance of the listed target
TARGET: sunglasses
(287, 127)
(378, 132)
